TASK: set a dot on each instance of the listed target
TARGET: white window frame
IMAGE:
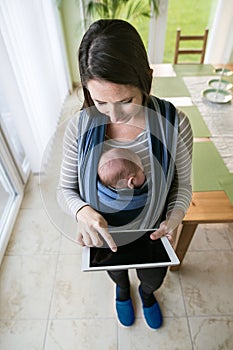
(13, 181)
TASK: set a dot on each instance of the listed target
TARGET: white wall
(220, 42)
(73, 26)
(157, 34)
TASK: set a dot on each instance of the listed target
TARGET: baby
(121, 168)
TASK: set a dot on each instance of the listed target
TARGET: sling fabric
(132, 209)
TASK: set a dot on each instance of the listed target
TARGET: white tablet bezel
(85, 266)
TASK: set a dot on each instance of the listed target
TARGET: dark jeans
(151, 279)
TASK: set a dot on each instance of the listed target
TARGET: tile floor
(47, 303)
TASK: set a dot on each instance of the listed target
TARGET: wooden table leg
(184, 240)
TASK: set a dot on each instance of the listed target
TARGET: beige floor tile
(169, 295)
(212, 236)
(48, 192)
(22, 335)
(32, 195)
(72, 104)
(26, 286)
(58, 218)
(230, 235)
(63, 222)
(69, 228)
(41, 192)
(69, 247)
(50, 171)
(212, 333)
(173, 335)
(81, 294)
(84, 334)
(33, 234)
(207, 282)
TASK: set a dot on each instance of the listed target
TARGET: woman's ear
(131, 182)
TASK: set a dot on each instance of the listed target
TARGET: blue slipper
(152, 314)
(125, 311)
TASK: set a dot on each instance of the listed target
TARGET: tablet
(140, 253)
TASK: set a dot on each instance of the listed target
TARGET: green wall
(71, 21)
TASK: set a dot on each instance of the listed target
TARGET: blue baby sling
(138, 208)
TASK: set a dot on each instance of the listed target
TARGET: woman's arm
(68, 190)
(91, 225)
(180, 193)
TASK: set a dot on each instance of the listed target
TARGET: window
(11, 192)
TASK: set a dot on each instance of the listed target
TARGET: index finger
(108, 238)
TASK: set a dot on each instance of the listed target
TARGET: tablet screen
(143, 252)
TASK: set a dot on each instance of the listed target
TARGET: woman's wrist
(174, 219)
(79, 210)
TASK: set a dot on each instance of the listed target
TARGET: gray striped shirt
(180, 193)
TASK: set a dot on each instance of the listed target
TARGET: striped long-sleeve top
(180, 192)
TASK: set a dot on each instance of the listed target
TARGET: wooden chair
(189, 51)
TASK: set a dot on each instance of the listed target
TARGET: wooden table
(205, 208)
(210, 204)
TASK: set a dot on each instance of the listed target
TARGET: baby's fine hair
(121, 159)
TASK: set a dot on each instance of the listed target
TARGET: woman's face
(118, 102)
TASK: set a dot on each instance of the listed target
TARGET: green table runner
(193, 69)
(225, 77)
(169, 87)
(198, 125)
(226, 183)
(208, 167)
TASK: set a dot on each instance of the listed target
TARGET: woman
(118, 111)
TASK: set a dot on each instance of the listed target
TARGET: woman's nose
(114, 113)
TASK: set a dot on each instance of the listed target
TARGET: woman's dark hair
(112, 50)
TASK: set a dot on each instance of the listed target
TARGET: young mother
(119, 111)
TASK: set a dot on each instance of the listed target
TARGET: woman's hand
(163, 230)
(170, 226)
(92, 225)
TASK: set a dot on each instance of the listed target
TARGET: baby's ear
(130, 183)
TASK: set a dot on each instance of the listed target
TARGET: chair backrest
(189, 51)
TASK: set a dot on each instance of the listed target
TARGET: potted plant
(124, 9)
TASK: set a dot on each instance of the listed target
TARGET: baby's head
(121, 168)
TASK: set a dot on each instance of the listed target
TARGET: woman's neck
(126, 131)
